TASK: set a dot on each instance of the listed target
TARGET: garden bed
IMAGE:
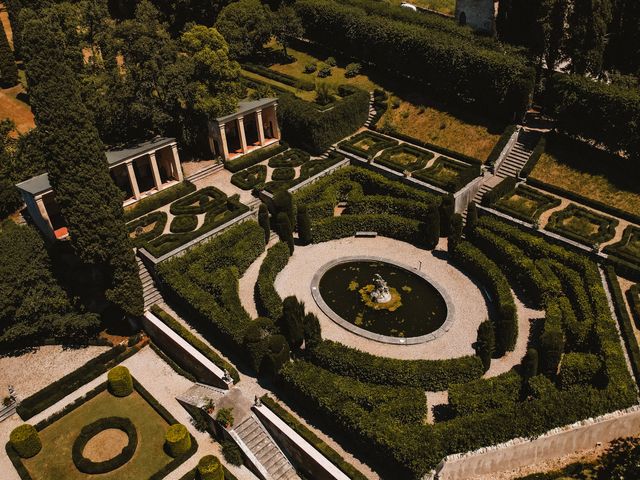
(308, 170)
(252, 177)
(628, 249)
(525, 203)
(582, 225)
(366, 144)
(291, 158)
(448, 174)
(147, 228)
(404, 158)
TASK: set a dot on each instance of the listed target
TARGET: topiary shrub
(486, 343)
(283, 174)
(579, 368)
(120, 381)
(183, 223)
(89, 431)
(304, 225)
(352, 70)
(178, 440)
(25, 440)
(210, 468)
(231, 453)
(225, 417)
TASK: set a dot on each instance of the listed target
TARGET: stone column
(276, 127)
(223, 143)
(243, 138)
(154, 169)
(44, 213)
(260, 126)
(133, 180)
(176, 162)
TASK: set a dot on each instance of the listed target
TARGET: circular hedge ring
(89, 431)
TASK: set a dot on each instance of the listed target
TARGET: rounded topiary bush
(183, 223)
(178, 440)
(86, 465)
(25, 440)
(120, 381)
(210, 468)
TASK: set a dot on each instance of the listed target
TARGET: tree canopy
(246, 25)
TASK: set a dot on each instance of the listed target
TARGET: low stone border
(315, 292)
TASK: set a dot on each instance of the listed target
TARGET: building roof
(247, 106)
(40, 183)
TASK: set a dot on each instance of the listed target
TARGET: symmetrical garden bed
(448, 174)
(252, 177)
(627, 249)
(525, 203)
(404, 158)
(291, 158)
(582, 225)
(366, 144)
(147, 228)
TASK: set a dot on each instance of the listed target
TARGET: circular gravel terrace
(468, 304)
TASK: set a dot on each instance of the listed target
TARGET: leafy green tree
(263, 221)
(486, 343)
(32, 303)
(292, 321)
(587, 36)
(8, 68)
(623, 48)
(304, 225)
(286, 26)
(621, 460)
(89, 200)
(246, 25)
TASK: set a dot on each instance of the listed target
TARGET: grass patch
(590, 172)
(404, 158)
(366, 144)
(54, 461)
(582, 225)
(526, 203)
(448, 174)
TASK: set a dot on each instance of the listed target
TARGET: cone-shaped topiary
(25, 440)
(210, 468)
(178, 440)
(120, 382)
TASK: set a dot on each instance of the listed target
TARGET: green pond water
(422, 309)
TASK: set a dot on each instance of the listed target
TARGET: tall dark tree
(285, 232)
(304, 225)
(263, 221)
(623, 49)
(286, 26)
(8, 68)
(89, 200)
(530, 363)
(587, 39)
(283, 202)
(312, 330)
(455, 231)
(292, 321)
(432, 228)
(486, 343)
(447, 209)
(472, 219)
(246, 25)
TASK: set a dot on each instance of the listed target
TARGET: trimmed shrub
(253, 158)
(252, 177)
(432, 228)
(391, 226)
(579, 369)
(25, 440)
(268, 301)
(283, 174)
(559, 223)
(285, 231)
(464, 174)
(304, 225)
(530, 363)
(389, 158)
(472, 219)
(367, 144)
(312, 330)
(291, 158)
(277, 355)
(455, 231)
(202, 201)
(225, 417)
(447, 210)
(120, 382)
(160, 219)
(178, 440)
(530, 205)
(283, 202)
(183, 223)
(324, 70)
(158, 200)
(256, 340)
(279, 76)
(352, 70)
(500, 145)
(89, 431)
(263, 221)
(486, 343)
(292, 322)
(310, 67)
(231, 453)
(500, 190)
(210, 468)
(482, 395)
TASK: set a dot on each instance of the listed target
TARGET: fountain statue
(381, 293)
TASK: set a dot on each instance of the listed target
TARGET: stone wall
(478, 14)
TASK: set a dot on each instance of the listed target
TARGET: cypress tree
(263, 221)
(283, 202)
(472, 220)
(455, 231)
(293, 321)
(8, 68)
(486, 343)
(304, 225)
(432, 228)
(89, 200)
(285, 232)
(530, 363)
(447, 207)
(312, 330)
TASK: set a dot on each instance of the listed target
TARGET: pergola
(139, 170)
(252, 126)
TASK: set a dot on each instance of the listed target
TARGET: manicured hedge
(283, 174)
(308, 170)
(280, 77)
(473, 261)
(624, 321)
(606, 226)
(160, 219)
(253, 158)
(201, 201)
(380, 142)
(455, 69)
(465, 174)
(507, 185)
(59, 389)
(301, 429)
(538, 150)
(89, 431)
(633, 295)
(544, 202)
(500, 145)
(626, 248)
(483, 395)
(252, 177)
(422, 157)
(210, 468)
(25, 440)
(606, 113)
(183, 223)
(303, 126)
(291, 158)
(268, 301)
(392, 226)
(195, 342)
(120, 382)
(430, 375)
(178, 440)
(579, 368)
(159, 199)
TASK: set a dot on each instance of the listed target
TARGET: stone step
(205, 172)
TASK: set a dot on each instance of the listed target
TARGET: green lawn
(526, 203)
(590, 172)
(582, 225)
(54, 461)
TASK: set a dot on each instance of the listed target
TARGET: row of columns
(154, 170)
(241, 133)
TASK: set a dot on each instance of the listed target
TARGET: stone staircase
(518, 155)
(326, 153)
(149, 291)
(254, 436)
(372, 111)
(205, 172)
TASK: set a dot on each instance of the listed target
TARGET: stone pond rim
(317, 296)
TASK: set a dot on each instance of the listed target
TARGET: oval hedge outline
(91, 430)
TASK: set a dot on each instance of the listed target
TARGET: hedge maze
(448, 174)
